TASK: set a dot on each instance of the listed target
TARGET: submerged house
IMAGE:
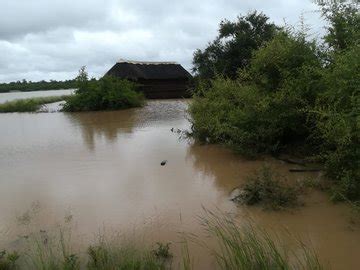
(156, 79)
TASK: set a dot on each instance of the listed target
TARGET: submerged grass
(29, 104)
(269, 189)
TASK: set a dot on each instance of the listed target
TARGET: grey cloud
(43, 39)
(20, 17)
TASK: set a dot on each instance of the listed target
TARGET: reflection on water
(103, 169)
(102, 124)
(110, 124)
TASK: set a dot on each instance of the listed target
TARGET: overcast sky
(52, 39)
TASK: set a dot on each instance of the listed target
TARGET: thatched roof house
(156, 79)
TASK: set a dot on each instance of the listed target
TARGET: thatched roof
(148, 70)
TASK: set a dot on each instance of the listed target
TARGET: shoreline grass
(248, 246)
(29, 104)
(237, 246)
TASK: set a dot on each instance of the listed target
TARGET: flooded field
(103, 170)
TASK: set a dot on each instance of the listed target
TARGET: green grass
(8, 260)
(124, 256)
(249, 247)
(244, 246)
(29, 104)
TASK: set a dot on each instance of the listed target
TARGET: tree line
(25, 85)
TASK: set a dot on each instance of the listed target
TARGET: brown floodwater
(103, 170)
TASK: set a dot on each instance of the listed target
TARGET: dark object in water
(163, 162)
(305, 170)
(292, 160)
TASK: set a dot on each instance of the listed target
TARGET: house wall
(163, 89)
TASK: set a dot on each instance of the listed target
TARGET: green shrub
(268, 189)
(108, 93)
(337, 114)
(231, 113)
(294, 96)
(287, 57)
(263, 110)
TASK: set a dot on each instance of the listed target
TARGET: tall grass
(236, 247)
(50, 252)
(47, 251)
(248, 247)
(29, 104)
(124, 256)
(8, 260)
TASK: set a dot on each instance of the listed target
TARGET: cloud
(43, 39)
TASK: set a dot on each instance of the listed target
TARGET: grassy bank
(236, 247)
(29, 104)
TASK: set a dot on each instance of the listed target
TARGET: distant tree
(232, 49)
(82, 79)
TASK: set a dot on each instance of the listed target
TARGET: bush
(294, 96)
(264, 109)
(109, 93)
(268, 189)
(231, 113)
(337, 114)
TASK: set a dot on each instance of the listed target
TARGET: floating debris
(306, 170)
(163, 162)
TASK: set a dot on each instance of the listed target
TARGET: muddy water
(102, 170)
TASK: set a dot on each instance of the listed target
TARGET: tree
(232, 49)
(344, 23)
(82, 79)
